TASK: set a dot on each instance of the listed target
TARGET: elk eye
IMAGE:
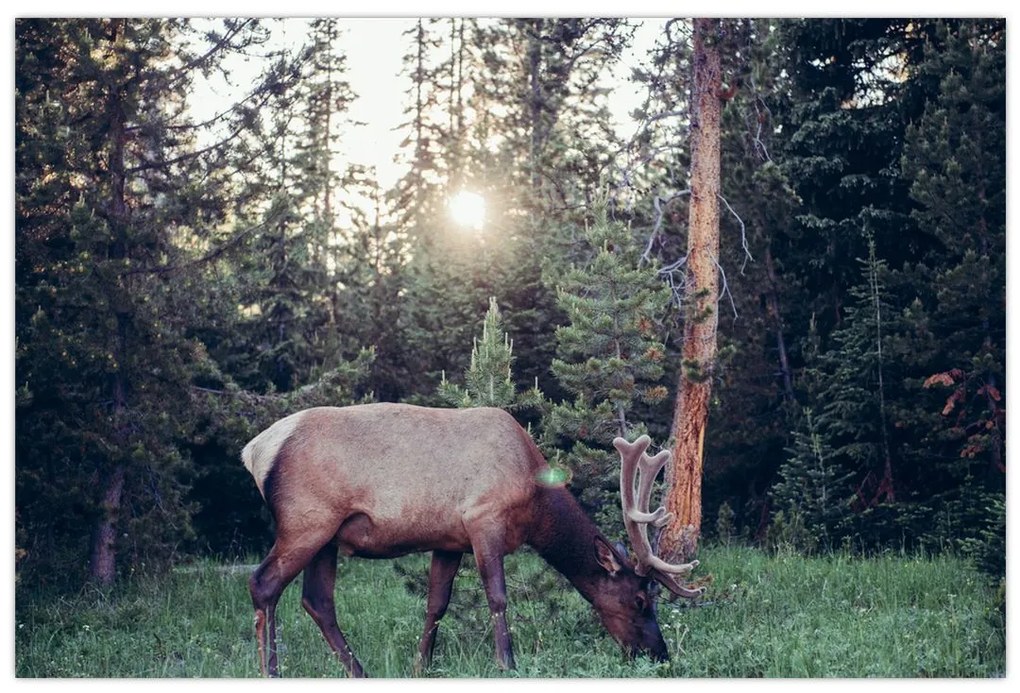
(642, 600)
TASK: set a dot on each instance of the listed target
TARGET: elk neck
(565, 537)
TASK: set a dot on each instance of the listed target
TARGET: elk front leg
(490, 566)
(261, 619)
(441, 574)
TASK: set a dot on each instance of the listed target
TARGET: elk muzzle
(652, 642)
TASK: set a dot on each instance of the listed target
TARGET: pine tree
(955, 155)
(953, 341)
(495, 97)
(846, 452)
(447, 271)
(813, 488)
(489, 381)
(753, 370)
(116, 204)
(369, 304)
(610, 358)
(679, 538)
(843, 110)
(301, 199)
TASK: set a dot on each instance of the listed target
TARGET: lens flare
(553, 477)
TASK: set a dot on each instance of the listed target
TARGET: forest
(183, 280)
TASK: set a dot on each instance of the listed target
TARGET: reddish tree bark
(679, 539)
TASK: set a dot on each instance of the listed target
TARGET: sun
(467, 209)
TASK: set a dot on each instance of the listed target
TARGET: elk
(384, 480)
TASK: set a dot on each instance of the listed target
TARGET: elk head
(625, 604)
(623, 592)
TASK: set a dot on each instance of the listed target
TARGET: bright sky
(375, 48)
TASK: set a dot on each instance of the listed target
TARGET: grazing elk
(384, 480)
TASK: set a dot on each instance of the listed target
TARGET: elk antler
(640, 470)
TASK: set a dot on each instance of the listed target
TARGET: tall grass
(764, 616)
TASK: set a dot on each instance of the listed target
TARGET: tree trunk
(679, 539)
(772, 302)
(103, 561)
(103, 556)
(535, 99)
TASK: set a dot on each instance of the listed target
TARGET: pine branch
(219, 45)
(210, 256)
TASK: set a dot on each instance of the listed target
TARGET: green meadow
(765, 615)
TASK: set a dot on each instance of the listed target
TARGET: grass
(764, 616)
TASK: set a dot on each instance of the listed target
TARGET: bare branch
(724, 291)
(662, 116)
(678, 287)
(763, 114)
(660, 212)
(743, 234)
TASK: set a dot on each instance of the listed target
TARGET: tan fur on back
(401, 477)
(260, 453)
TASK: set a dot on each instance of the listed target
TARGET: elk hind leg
(441, 574)
(266, 585)
(286, 559)
(317, 599)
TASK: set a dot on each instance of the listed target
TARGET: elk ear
(606, 557)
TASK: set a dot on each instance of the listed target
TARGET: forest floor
(765, 615)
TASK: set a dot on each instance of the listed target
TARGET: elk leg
(260, 636)
(285, 560)
(266, 585)
(317, 599)
(441, 574)
(490, 566)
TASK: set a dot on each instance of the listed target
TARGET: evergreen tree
(447, 270)
(610, 358)
(431, 139)
(489, 381)
(846, 452)
(953, 341)
(113, 198)
(679, 538)
(812, 490)
(753, 372)
(500, 114)
(843, 111)
(305, 205)
(371, 282)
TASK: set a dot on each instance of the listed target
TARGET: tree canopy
(181, 282)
